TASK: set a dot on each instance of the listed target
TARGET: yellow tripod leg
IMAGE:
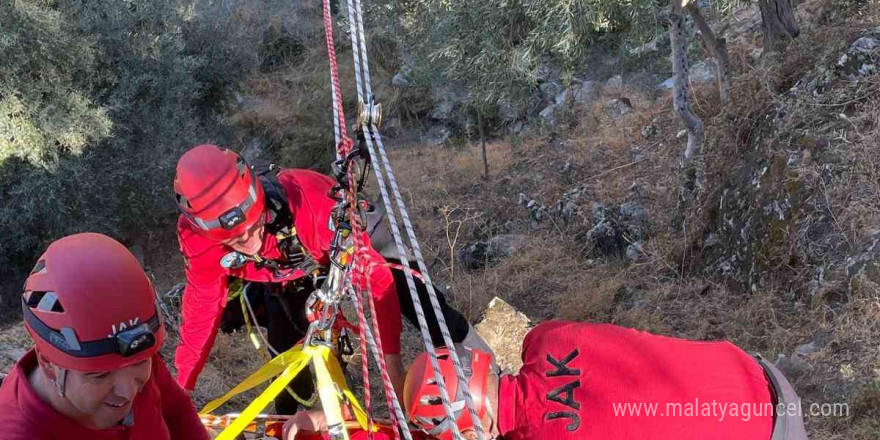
(287, 364)
(329, 396)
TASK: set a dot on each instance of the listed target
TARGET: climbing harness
(239, 290)
(348, 276)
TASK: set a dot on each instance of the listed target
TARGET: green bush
(98, 99)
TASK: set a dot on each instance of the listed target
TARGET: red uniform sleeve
(311, 207)
(15, 427)
(203, 302)
(178, 410)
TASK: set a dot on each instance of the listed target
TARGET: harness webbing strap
(286, 366)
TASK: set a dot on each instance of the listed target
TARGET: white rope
(401, 417)
(358, 47)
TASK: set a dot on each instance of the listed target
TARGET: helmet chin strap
(491, 415)
(60, 381)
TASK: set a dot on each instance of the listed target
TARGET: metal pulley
(369, 113)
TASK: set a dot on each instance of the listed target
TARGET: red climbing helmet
(89, 306)
(422, 395)
(217, 192)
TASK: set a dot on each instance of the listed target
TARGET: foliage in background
(98, 99)
(494, 48)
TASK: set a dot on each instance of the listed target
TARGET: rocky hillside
(773, 243)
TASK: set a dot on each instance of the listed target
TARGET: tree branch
(716, 46)
(680, 87)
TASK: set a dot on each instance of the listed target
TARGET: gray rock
(793, 367)
(638, 192)
(399, 80)
(548, 115)
(634, 252)
(509, 227)
(618, 107)
(606, 237)
(436, 136)
(649, 131)
(652, 45)
(615, 81)
(681, 134)
(581, 93)
(561, 98)
(863, 268)
(568, 206)
(489, 253)
(446, 100)
(701, 73)
(634, 212)
(636, 154)
(615, 228)
(711, 240)
(584, 92)
(807, 349)
(549, 90)
(862, 57)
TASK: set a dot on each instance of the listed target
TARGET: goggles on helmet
(125, 343)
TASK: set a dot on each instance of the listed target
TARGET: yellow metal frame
(331, 385)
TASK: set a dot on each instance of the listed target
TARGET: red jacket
(577, 379)
(205, 295)
(162, 411)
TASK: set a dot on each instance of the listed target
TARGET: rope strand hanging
(371, 132)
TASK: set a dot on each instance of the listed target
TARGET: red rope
(345, 143)
(383, 368)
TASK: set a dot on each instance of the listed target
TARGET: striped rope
(358, 40)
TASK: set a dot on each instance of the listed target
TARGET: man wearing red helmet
(95, 372)
(276, 231)
(599, 381)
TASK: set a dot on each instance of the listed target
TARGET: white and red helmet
(422, 394)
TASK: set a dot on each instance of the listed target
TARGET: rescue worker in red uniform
(95, 372)
(276, 232)
(598, 381)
